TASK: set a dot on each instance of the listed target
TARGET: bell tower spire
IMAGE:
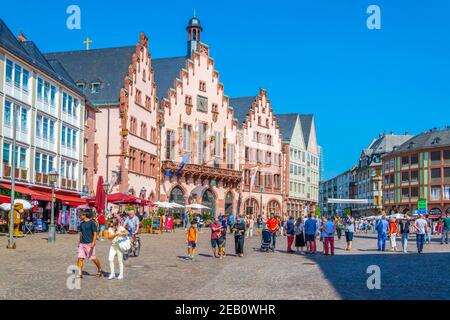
(194, 30)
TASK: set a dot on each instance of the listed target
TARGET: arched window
(274, 207)
(207, 198)
(251, 207)
(229, 203)
(177, 196)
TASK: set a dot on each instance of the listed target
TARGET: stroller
(265, 240)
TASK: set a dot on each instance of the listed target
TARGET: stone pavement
(37, 270)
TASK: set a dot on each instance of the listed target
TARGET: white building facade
(49, 117)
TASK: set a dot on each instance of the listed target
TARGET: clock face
(202, 103)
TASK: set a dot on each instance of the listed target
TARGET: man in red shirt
(273, 226)
(216, 229)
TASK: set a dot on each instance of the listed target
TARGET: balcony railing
(68, 184)
(20, 173)
(41, 178)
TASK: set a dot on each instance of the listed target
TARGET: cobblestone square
(38, 270)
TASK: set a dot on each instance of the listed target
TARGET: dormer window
(81, 85)
(411, 145)
(436, 140)
(95, 87)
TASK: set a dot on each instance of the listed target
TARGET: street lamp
(260, 199)
(143, 195)
(143, 192)
(53, 177)
(105, 186)
(11, 244)
(213, 207)
(160, 159)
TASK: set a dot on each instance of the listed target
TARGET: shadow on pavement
(408, 276)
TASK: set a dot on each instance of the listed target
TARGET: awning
(35, 195)
(73, 201)
(123, 198)
(5, 199)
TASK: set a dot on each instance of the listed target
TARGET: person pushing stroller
(265, 240)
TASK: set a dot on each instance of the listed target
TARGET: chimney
(392, 132)
(406, 133)
(384, 133)
(21, 37)
(380, 135)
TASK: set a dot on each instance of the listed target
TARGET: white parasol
(176, 205)
(197, 206)
(163, 204)
(397, 216)
(26, 205)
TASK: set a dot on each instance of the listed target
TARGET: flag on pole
(183, 163)
(253, 172)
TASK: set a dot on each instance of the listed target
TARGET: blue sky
(314, 56)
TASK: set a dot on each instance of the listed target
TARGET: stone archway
(207, 198)
(229, 203)
(177, 195)
(273, 206)
(251, 206)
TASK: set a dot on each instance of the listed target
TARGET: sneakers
(120, 277)
(111, 276)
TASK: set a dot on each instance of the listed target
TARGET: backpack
(101, 219)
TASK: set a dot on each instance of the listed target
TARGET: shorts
(102, 228)
(349, 236)
(192, 244)
(216, 242)
(310, 237)
(86, 252)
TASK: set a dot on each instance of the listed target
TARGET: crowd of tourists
(302, 234)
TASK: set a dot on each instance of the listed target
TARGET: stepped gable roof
(241, 107)
(109, 66)
(166, 70)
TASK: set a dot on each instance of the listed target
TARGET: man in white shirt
(421, 227)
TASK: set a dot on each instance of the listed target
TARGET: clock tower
(194, 30)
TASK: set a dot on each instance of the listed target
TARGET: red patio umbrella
(100, 196)
(5, 199)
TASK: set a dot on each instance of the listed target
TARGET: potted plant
(207, 218)
(146, 225)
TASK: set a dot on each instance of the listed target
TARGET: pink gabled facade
(126, 135)
(138, 121)
(120, 84)
(260, 155)
(199, 126)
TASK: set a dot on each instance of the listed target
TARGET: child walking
(192, 239)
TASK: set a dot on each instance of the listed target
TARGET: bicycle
(135, 248)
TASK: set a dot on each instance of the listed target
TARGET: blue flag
(183, 163)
